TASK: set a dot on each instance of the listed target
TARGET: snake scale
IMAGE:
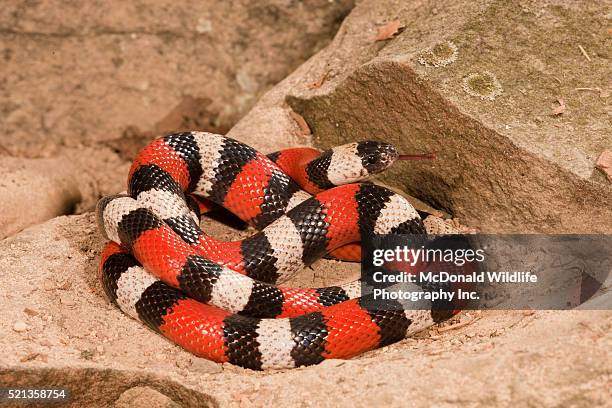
(222, 300)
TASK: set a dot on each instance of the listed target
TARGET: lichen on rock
(440, 55)
(484, 85)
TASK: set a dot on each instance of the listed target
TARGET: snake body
(220, 300)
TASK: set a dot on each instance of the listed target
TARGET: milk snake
(219, 300)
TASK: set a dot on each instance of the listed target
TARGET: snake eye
(371, 159)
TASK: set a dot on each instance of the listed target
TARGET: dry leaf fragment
(528, 313)
(29, 357)
(301, 122)
(317, 84)
(389, 30)
(66, 285)
(30, 312)
(604, 163)
(559, 109)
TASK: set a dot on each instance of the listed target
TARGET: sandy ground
(61, 330)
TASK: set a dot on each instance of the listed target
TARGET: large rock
(496, 88)
(75, 73)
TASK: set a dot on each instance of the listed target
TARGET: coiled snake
(220, 300)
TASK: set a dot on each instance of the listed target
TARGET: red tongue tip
(424, 156)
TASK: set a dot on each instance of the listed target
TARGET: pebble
(20, 326)
(49, 285)
(65, 300)
(30, 312)
(100, 349)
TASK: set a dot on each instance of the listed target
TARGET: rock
(20, 326)
(66, 300)
(495, 168)
(32, 191)
(452, 83)
(144, 397)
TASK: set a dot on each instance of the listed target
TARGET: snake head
(353, 162)
(376, 156)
